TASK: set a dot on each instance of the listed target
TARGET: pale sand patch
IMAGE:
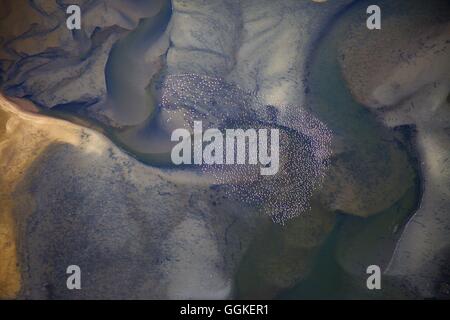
(199, 261)
(23, 137)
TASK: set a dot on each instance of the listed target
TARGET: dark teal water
(364, 240)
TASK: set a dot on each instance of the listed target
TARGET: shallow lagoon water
(362, 240)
